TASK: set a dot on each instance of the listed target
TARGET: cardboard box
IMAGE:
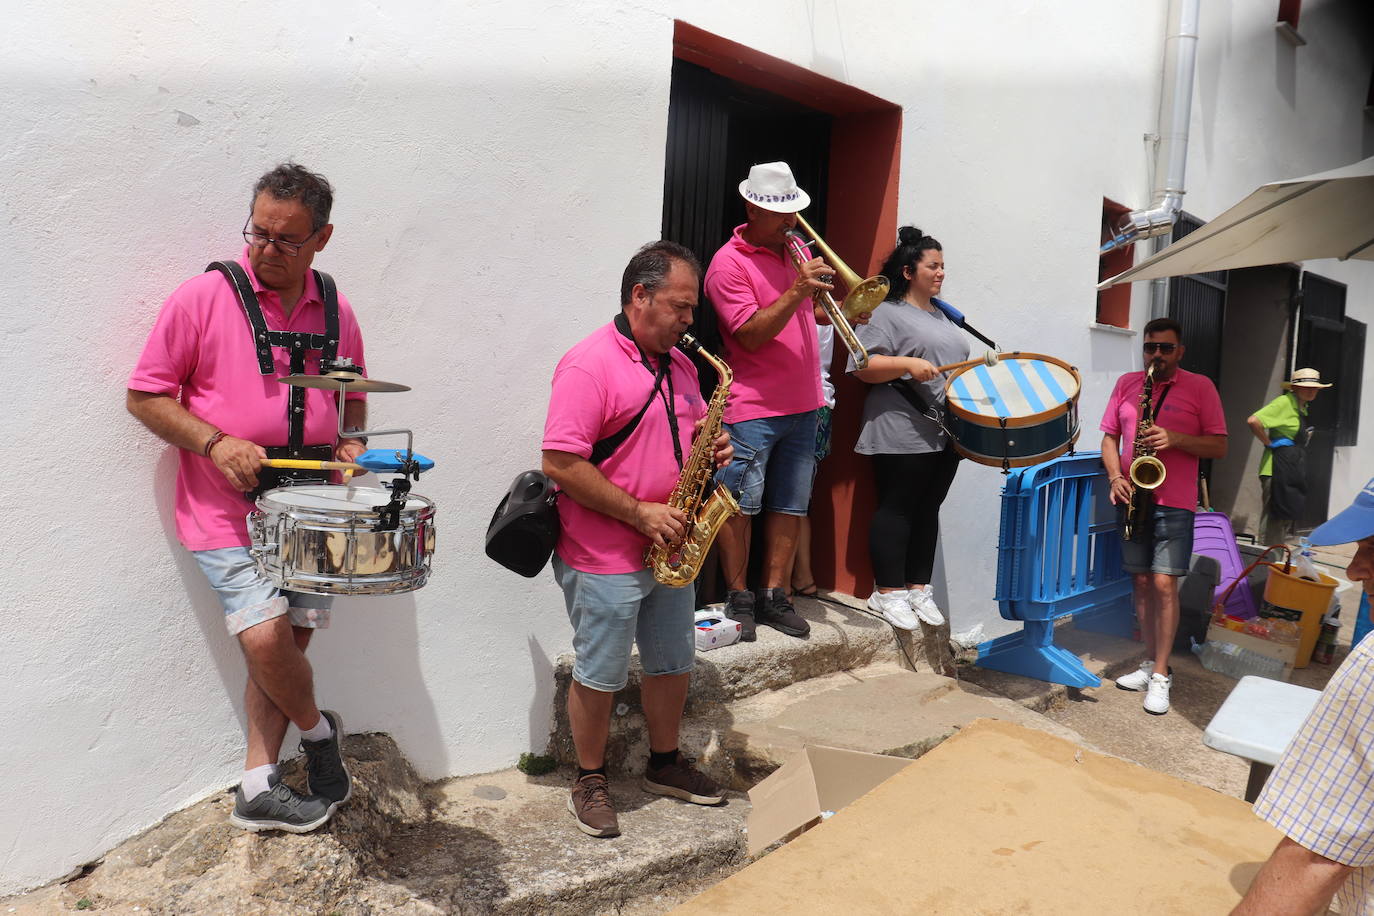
(714, 630)
(1287, 654)
(810, 787)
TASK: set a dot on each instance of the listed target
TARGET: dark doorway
(1321, 328)
(1198, 303)
(717, 129)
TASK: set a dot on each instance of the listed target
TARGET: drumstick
(304, 464)
(987, 359)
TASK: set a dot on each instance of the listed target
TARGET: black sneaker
(280, 808)
(326, 774)
(776, 611)
(681, 779)
(740, 606)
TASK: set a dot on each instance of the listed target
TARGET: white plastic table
(1256, 722)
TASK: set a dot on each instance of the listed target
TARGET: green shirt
(1283, 418)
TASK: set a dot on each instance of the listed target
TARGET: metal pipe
(1175, 112)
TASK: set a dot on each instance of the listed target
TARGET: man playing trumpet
(768, 325)
(1188, 424)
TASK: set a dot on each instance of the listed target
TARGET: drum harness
(297, 343)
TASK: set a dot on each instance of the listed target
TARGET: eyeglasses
(1152, 347)
(258, 240)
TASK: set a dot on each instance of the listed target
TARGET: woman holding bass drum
(913, 459)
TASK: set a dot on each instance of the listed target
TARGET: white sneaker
(923, 603)
(1138, 679)
(894, 607)
(1157, 697)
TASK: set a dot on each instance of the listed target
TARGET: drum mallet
(376, 459)
(987, 359)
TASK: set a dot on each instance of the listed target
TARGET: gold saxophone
(679, 563)
(1146, 472)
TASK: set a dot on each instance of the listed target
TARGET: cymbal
(350, 381)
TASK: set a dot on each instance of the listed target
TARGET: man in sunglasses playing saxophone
(1185, 424)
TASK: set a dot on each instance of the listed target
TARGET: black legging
(906, 523)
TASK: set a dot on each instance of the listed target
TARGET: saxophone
(1146, 472)
(679, 563)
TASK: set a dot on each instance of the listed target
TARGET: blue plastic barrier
(1058, 554)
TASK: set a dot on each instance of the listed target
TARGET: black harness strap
(295, 342)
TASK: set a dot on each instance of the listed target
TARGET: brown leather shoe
(681, 779)
(590, 803)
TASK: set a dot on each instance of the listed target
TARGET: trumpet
(864, 295)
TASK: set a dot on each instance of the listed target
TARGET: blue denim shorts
(1170, 551)
(774, 463)
(250, 599)
(612, 612)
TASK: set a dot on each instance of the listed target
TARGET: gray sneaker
(279, 808)
(326, 774)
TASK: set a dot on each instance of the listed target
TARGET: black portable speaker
(524, 528)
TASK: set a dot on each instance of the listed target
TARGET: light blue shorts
(774, 463)
(612, 612)
(249, 598)
(1170, 550)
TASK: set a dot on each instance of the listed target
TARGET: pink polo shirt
(782, 376)
(1192, 408)
(598, 387)
(201, 350)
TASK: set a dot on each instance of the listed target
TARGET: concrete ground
(1113, 720)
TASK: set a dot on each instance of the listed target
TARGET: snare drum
(319, 539)
(1019, 412)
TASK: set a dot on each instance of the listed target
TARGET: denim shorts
(774, 463)
(1170, 551)
(250, 599)
(612, 612)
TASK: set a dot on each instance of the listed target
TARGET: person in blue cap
(1321, 793)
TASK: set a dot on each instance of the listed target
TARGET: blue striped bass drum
(1020, 411)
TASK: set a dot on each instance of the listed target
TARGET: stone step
(504, 843)
(844, 635)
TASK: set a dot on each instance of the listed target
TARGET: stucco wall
(496, 164)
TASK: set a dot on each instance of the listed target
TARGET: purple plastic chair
(1213, 537)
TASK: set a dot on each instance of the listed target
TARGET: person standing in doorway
(1279, 426)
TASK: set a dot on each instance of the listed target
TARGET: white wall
(496, 164)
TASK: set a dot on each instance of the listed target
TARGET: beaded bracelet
(219, 434)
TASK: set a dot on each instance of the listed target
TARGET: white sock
(256, 781)
(321, 731)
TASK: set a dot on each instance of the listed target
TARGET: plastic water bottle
(1305, 567)
(1233, 661)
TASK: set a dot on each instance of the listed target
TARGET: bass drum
(1021, 411)
(319, 539)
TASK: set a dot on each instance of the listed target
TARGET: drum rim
(1023, 461)
(982, 419)
(277, 506)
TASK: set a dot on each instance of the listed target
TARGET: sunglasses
(1160, 347)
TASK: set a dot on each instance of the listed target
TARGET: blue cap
(1354, 524)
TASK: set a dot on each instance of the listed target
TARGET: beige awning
(1329, 215)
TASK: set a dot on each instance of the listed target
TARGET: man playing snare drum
(207, 383)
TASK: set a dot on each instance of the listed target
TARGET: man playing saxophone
(1184, 422)
(628, 375)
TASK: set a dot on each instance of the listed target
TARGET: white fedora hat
(772, 187)
(1306, 378)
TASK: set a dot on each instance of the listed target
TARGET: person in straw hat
(1278, 426)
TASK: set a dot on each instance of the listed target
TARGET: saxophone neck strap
(607, 446)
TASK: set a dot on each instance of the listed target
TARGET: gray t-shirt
(891, 426)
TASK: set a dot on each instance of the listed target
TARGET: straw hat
(1305, 378)
(772, 187)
